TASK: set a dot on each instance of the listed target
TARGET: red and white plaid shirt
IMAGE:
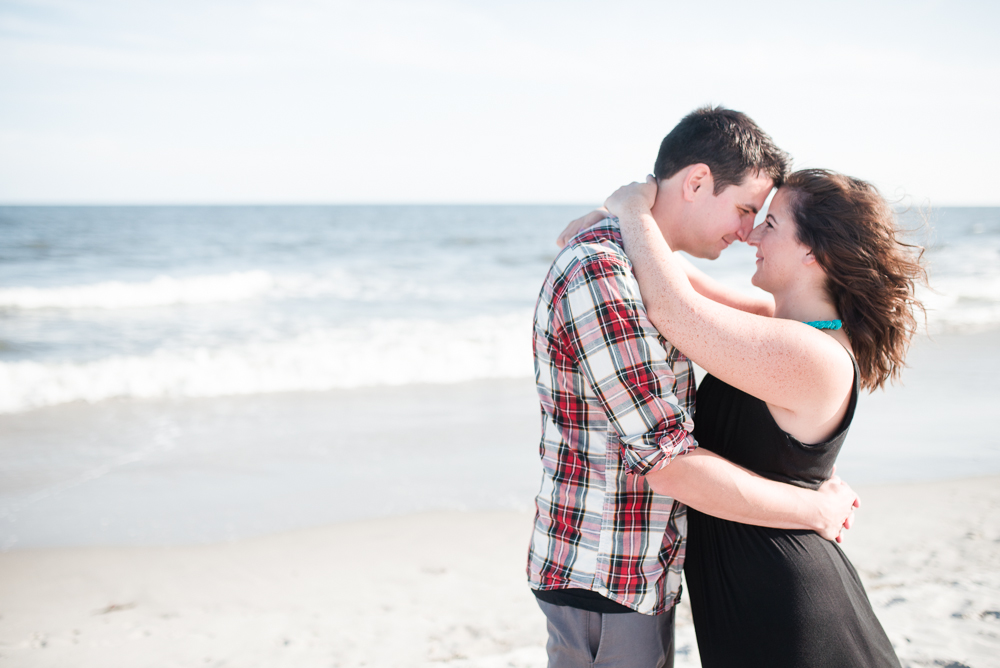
(617, 402)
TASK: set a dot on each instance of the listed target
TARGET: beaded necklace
(826, 324)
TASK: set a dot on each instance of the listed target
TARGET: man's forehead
(751, 192)
(755, 190)
(757, 182)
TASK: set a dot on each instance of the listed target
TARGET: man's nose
(746, 229)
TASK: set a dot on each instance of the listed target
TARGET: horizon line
(913, 203)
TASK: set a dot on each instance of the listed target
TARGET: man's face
(719, 220)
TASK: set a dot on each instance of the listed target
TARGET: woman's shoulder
(819, 424)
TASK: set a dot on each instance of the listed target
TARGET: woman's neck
(805, 304)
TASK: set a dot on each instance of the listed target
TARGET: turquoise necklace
(826, 324)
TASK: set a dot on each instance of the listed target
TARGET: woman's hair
(871, 272)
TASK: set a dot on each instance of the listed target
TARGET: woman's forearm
(707, 286)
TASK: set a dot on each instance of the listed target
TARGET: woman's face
(781, 258)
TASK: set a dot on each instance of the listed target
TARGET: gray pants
(583, 639)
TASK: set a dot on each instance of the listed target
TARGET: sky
(295, 101)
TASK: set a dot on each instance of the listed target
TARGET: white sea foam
(962, 303)
(211, 288)
(392, 352)
(161, 291)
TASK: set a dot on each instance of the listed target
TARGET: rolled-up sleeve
(625, 362)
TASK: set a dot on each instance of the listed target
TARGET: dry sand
(448, 589)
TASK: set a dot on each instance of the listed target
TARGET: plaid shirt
(617, 402)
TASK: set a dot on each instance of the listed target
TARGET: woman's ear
(809, 258)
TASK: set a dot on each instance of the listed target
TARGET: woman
(778, 400)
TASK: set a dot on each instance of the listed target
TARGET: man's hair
(729, 142)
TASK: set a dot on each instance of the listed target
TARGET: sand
(448, 589)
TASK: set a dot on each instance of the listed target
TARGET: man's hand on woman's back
(837, 504)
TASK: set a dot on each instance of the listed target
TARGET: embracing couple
(742, 495)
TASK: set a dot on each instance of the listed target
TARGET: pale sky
(292, 101)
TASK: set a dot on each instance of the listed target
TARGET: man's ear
(697, 179)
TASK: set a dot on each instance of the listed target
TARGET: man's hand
(634, 198)
(837, 504)
(580, 224)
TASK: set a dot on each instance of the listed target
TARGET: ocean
(105, 302)
(97, 303)
(145, 351)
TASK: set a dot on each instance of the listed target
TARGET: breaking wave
(381, 352)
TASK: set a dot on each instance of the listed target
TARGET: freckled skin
(802, 373)
(757, 353)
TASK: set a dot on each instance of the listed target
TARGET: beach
(253, 536)
(273, 276)
(316, 444)
(448, 589)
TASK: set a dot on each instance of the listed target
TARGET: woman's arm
(580, 224)
(787, 364)
(702, 282)
(707, 286)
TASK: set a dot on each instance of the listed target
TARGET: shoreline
(448, 588)
(199, 471)
(182, 471)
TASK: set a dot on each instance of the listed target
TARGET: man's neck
(671, 232)
(667, 215)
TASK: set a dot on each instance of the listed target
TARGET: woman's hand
(580, 224)
(637, 198)
(641, 195)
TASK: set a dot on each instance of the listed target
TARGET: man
(617, 403)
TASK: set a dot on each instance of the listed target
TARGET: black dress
(771, 597)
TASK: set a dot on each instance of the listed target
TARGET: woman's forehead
(779, 203)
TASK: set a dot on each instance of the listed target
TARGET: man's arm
(618, 351)
(715, 486)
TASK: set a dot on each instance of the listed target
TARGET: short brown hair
(728, 141)
(871, 272)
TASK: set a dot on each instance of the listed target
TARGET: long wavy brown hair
(871, 271)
